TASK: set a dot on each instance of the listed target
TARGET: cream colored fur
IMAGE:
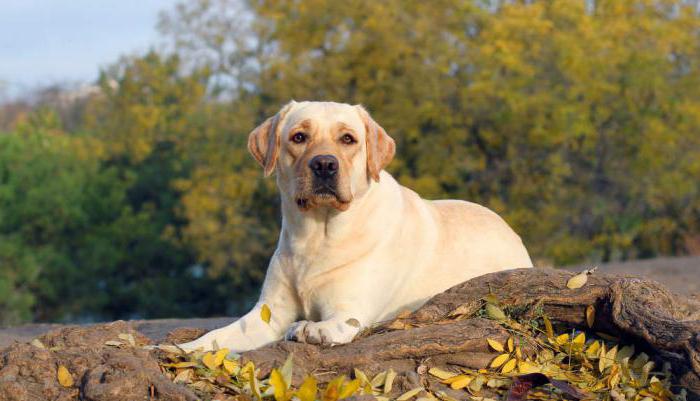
(386, 250)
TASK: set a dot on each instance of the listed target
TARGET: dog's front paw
(327, 332)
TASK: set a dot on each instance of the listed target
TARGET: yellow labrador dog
(356, 247)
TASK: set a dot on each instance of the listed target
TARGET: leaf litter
(534, 363)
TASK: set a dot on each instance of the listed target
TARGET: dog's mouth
(323, 195)
(325, 190)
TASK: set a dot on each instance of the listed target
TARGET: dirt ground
(681, 275)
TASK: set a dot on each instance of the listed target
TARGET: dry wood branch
(638, 311)
(446, 331)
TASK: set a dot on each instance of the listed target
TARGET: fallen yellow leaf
(496, 383)
(128, 337)
(332, 391)
(510, 344)
(611, 355)
(640, 360)
(208, 360)
(614, 378)
(644, 376)
(577, 281)
(185, 376)
(562, 339)
(349, 389)
(526, 367)
(308, 389)
(625, 352)
(495, 345)
(593, 349)
(265, 313)
(287, 369)
(279, 386)
(409, 394)
(388, 383)
(509, 366)
(249, 373)
(64, 377)
(230, 366)
(499, 360)
(219, 356)
(476, 384)
(460, 382)
(441, 374)
(361, 375)
(378, 379)
(548, 327)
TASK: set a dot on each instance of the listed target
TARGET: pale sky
(50, 41)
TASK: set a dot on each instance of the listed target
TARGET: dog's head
(325, 153)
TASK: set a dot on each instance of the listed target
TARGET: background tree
(576, 120)
(567, 117)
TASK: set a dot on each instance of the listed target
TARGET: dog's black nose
(324, 166)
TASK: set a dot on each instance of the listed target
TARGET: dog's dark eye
(299, 137)
(348, 139)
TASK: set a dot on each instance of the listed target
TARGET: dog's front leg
(251, 331)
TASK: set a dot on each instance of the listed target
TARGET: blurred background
(126, 190)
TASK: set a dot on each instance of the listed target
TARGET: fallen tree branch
(447, 332)
(638, 311)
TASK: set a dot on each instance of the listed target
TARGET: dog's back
(444, 243)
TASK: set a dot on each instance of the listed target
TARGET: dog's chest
(308, 286)
(309, 275)
(318, 265)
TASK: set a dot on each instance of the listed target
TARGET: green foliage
(42, 178)
(569, 122)
(85, 237)
(577, 121)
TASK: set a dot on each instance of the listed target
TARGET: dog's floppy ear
(380, 147)
(264, 140)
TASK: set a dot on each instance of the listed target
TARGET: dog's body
(356, 247)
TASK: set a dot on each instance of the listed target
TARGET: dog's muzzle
(325, 186)
(325, 170)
